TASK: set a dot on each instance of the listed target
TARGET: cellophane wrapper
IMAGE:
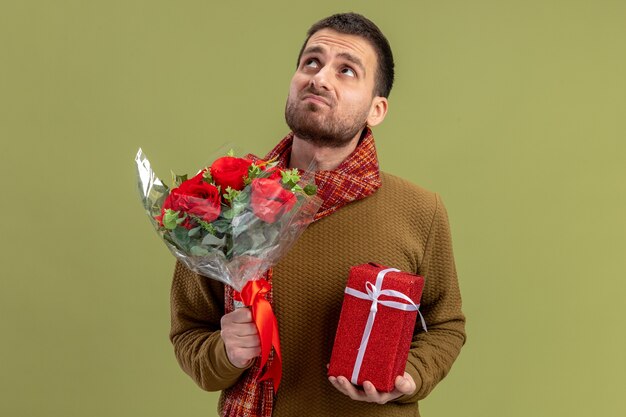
(251, 245)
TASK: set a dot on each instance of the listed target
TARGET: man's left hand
(404, 385)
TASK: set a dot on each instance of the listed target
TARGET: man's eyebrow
(355, 60)
(345, 55)
(313, 50)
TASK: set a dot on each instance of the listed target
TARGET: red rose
(229, 171)
(275, 173)
(196, 197)
(270, 200)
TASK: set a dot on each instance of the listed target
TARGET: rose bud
(229, 171)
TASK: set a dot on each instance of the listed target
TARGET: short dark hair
(356, 24)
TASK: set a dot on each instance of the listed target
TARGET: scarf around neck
(357, 177)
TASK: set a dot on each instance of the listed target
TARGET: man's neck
(324, 158)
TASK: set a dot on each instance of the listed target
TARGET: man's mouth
(314, 98)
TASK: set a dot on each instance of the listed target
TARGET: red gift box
(376, 324)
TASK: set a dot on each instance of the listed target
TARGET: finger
(349, 389)
(373, 395)
(246, 352)
(333, 381)
(239, 316)
(402, 385)
(245, 329)
(370, 390)
(232, 332)
(247, 341)
(252, 352)
(405, 384)
(241, 357)
(233, 341)
(242, 315)
(338, 385)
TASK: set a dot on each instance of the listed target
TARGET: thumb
(405, 384)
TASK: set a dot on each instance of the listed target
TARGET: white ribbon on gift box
(373, 292)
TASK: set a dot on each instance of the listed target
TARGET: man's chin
(314, 107)
(321, 138)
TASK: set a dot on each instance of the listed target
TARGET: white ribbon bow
(373, 293)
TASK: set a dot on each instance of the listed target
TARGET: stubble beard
(307, 122)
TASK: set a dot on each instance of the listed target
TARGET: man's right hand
(240, 337)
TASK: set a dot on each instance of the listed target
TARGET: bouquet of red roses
(233, 220)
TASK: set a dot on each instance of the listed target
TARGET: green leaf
(194, 231)
(199, 251)
(231, 194)
(253, 171)
(181, 237)
(291, 176)
(256, 241)
(231, 153)
(160, 188)
(271, 235)
(178, 179)
(296, 189)
(210, 240)
(310, 189)
(169, 239)
(207, 176)
(228, 214)
(222, 225)
(241, 198)
(205, 225)
(238, 207)
(257, 238)
(170, 219)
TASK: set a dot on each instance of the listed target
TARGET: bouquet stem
(253, 295)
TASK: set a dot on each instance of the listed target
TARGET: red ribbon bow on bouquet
(253, 295)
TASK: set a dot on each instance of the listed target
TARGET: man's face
(332, 92)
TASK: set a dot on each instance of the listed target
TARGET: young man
(338, 92)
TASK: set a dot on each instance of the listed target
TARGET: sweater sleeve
(197, 305)
(432, 353)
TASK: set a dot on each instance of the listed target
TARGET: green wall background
(513, 111)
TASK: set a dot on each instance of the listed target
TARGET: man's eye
(349, 72)
(311, 63)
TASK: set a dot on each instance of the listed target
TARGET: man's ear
(378, 111)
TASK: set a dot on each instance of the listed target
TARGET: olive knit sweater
(402, 226)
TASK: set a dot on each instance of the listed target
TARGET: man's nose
(321, 79)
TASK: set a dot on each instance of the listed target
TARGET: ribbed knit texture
(357, 177)
(402, 226)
